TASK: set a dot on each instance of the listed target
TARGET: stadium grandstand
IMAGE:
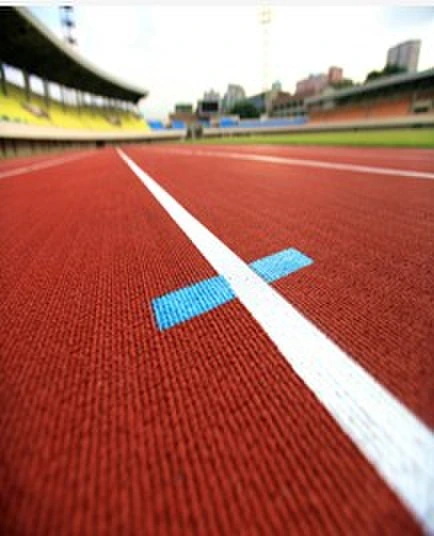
(56, 95)
(52, 97)
(288, 106)
(401, 95)
(402, 100)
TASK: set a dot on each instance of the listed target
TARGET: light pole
(265, 21)
(67, 23)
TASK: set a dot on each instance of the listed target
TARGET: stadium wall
(20, 140)
(413, 121)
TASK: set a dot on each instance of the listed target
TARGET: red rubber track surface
(406, 159)
(41, 159)
(372, 239)
(15, 163)
(110, 427)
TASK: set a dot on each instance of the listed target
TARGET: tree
(372, 75)
(394, 69)
(388, 70)
(341, 84)
(246, 110)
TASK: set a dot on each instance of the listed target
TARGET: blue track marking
(188, 302)
(274, 267)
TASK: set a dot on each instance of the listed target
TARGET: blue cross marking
(188, 302)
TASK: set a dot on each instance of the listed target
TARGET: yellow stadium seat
(15, 108)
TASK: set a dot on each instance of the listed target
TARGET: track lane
(109, 425)
(20, 161)
(371, 237)
(421, 160)
(24, 166)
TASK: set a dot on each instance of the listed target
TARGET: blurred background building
(405, 55)
(210, 105)
(234, 94)
(316, 83)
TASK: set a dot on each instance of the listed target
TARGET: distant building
(405, 55)
(183, 113)
(259, 101)
(263, 102)
(209, 106)
(335, 74)
(276, 86)
(183, 108)
(316, 83)
(286, 105)
(211, 95)
(235, 93)
(312, 85)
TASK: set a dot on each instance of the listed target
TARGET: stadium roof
(381, 83)
(27, 44)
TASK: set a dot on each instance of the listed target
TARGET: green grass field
(422, 138)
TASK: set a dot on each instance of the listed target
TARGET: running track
(111, 426)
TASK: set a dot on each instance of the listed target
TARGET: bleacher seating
(178, 125)
(14, 107)
(227, 122)
(368, 109)
(264, 123)
(155, 124)
(346, 113)
(427, 93)
(391, 108)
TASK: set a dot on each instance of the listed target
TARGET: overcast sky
(178, 52)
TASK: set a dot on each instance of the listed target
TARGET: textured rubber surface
(186, 303)
(17, 163)
(110, 426)
(420, 159)
(371, 237)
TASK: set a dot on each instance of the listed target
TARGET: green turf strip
(422, 138)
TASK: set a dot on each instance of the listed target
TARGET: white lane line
(306, 163)
(42, 165)
(395, 441)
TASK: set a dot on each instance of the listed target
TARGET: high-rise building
(316, 83)
(405, 55)
(276, 86)
(235, 93)
(312, 85)
(335, 74)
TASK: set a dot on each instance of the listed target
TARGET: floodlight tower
(67, 22)
(265, 21)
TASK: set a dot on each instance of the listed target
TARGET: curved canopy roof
(27, 44)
